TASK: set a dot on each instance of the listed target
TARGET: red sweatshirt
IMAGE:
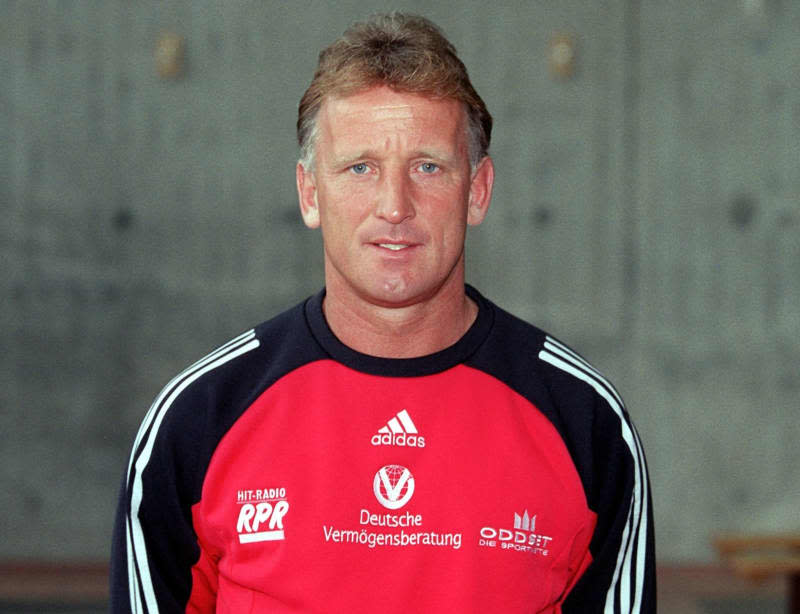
(286, 472)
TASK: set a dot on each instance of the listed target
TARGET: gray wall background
(647, 211)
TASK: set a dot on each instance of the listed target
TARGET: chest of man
(338, 491)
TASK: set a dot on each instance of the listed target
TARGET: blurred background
(646, 211)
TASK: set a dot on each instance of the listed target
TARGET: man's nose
(394, 199)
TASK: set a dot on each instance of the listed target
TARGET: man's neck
(400, 332)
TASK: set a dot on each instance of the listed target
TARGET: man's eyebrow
(347, 159)
(436, 154)
(351, 158)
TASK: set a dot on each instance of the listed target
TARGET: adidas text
(398, 439)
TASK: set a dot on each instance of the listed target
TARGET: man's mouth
(393, 246)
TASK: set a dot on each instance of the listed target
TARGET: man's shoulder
(512, 339)
(230, 377)
(529, 354)
(280, 337)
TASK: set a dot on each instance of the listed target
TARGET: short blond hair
(406, 52)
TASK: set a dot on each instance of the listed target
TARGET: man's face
(393, 191)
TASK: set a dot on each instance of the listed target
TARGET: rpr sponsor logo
(261, 515)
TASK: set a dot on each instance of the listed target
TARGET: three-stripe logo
(399, 431)
(628, 583)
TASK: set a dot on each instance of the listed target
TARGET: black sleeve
(621, 577)
(158, 564)
(609, 457)
(154, 546)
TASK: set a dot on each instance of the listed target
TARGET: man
(395, 443)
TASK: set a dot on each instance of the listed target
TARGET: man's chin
(399, 291)
(393, 293)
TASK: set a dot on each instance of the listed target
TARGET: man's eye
(360, 168)
(428, 167)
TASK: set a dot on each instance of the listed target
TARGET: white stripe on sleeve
(635, 533)
(138, 566)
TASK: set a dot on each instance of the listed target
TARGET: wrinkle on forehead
(393, 111)
(402, 112)
(402, 121)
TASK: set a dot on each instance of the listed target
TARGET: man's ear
(480, 191)
(307, 193)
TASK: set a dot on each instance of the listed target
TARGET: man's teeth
(394, 246)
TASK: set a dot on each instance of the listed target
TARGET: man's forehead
(381, 111)
(382, 102)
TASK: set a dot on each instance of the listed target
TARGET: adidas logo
(399, 431)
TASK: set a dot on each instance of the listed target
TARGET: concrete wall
(646, 211)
